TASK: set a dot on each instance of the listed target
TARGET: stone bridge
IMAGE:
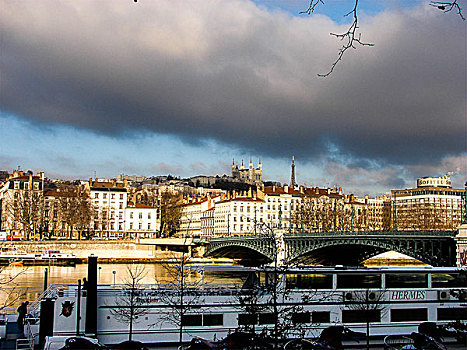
(436, 248)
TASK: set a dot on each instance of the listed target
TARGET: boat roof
(329, 269)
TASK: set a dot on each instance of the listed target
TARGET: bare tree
(129, 307)
(369, 304)
(150, 198)
(179, 292)
(84, 216)
(75, 209)
(25, 207)
(170, 212)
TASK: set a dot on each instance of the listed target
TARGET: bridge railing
(341, 233)
(376, 233)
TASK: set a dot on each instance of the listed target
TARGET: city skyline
(184, 87)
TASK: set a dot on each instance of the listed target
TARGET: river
(28, 282)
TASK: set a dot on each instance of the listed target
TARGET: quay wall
(115, 251)
(102, 249)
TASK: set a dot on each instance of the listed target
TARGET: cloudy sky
(183, 87)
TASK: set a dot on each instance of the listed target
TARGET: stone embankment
(114, 251)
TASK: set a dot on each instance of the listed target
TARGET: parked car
(70, 343)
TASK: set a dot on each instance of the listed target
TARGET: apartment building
(141, 221)
(432, 205)
(238, 216)
(109, 200)
(21, 204)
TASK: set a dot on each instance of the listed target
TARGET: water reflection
(28, 282)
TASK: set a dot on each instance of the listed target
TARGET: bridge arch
(343, 248)
(250, 252)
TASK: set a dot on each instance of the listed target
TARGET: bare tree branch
(349, 39)
(448, 6)
(311, 8)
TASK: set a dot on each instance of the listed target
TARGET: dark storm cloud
(230, 71)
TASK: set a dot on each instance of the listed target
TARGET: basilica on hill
(250, 175)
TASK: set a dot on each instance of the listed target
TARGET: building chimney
(286, 189)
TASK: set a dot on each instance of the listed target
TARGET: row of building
(35, 207)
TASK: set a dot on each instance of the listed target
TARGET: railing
(378, 233)
(28, 342)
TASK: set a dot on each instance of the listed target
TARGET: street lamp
(114, 273)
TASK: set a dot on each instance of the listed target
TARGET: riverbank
(152, 252)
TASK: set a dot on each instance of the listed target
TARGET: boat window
(268, 318)
(321, 317)
(452, 314)
(192, 320)
(406, 280)
(448, 280)
(358, 281)
(247, 319)
(301, 317)
(361, 316)
(403, 315)
(299, 281)
(213, 320)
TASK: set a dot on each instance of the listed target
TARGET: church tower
(292, 178)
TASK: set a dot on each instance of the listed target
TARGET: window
(149, 226)
(104, 195)
(131, 215)
(96, 195)
(131, 225)
(403, 315)
(149, 215)
(309, 281)
(121, 196)
(16, 185)
(361, 316)
(247, 319)
(213, 320)
(452, 314)
(113, 195)
(358, 281)
(120, 206)
(192, 320)
(268, 318)
(301, 317)
(140, 225)
(321, 317)
(448, 280)
(414, 280)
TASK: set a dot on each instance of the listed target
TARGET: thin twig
(448, 6)
(311, 8)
